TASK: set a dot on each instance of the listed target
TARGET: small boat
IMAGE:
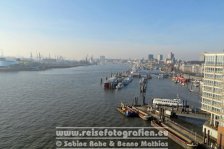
(127, 111)
(196, 83)
(119, 85)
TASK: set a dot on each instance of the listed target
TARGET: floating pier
(176, 136)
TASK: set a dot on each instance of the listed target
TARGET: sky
(114, 28)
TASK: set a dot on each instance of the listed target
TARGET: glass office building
(213, 95)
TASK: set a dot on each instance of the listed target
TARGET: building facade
(213, 95)
(197, 69)
(186, 68)
(191, 68)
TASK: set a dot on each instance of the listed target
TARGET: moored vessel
(111, 83)
(167, 102)
(127, 111)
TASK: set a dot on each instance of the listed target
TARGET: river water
(34, 103)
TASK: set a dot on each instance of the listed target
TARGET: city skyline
(116, 29)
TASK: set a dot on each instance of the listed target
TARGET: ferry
(167, 102)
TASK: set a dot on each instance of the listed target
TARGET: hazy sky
(114, 28)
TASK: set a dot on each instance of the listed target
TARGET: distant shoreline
(38, 68)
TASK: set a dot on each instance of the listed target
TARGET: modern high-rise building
(150, 57)
(213, 96)
(159, 57)
(170, 56)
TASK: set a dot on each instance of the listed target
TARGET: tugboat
(127, 111)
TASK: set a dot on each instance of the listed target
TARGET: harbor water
(34, 103)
